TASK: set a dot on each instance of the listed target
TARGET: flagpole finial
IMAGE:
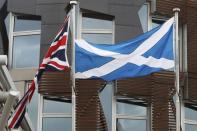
(73, 2)
(176, 10)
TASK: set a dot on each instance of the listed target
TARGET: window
(54, 114)
(130, 115)
(54, 117)
(24, 38)
(97, 30)
(190, 118)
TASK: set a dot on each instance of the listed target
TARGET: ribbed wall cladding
(89, 111)
(55, 84)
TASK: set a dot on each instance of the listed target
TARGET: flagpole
(177, 70)
(73, 4)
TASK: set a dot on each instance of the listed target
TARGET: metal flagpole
(177, 70)
(73, 4)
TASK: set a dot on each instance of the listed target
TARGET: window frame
(116, 116)
(13, 34)
(42, 114)
(89, 14)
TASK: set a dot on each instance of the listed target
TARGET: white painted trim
(56, 115)
(40, 109)
(26, 33)
(191, 122)
(10, 37)
(132, 117)
(182, 116)
(114, 118)
(114, 88)
(97, 31)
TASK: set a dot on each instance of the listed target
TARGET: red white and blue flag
(54, 60)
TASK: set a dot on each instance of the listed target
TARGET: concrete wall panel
(22, 6)
(51, 13)
(124, 33)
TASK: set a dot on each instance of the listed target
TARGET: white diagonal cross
(121, 59)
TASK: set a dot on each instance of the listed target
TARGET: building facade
(141, 104)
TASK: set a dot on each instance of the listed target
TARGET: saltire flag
(143, 55)
(54, 60)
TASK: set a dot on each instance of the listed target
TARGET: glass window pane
(125, 107)
(128, 125)
(106, 99)
(57, 124)
(190, 114)
(26, 51)
(91, 23)
(143, 15)
(26, 24)
(50, 106)
(190, 127)
(98, 38)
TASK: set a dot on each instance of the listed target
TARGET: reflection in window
(131, 114)
(97, 30)
(50, 106)
(190, 114)
(190, 118)
(125, 107)
(92, 23)
(189, 127)
(128, 125)
(56, 114)
(25, 34)
(98, 38)
(26, 51)
(57, 124)
(22, 24)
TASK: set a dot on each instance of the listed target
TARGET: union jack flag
(55, 59)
